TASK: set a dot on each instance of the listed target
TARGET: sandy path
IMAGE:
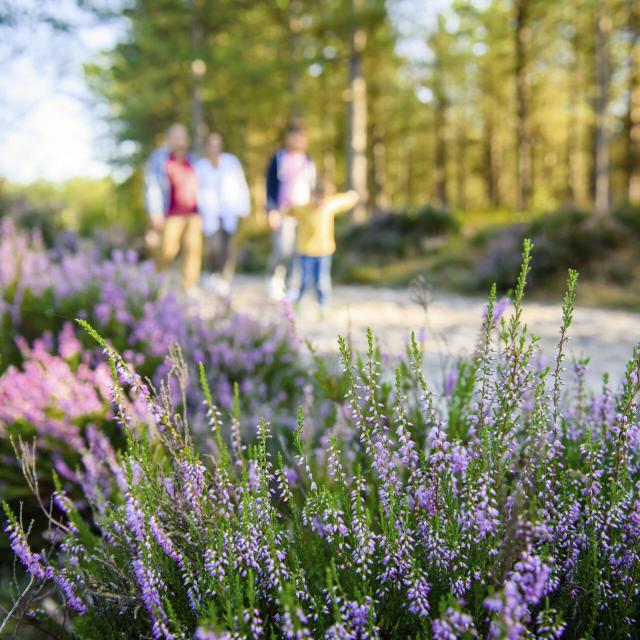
(452, 323)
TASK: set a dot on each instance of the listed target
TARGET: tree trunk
(198, 69)
(357, 113)
(523, 95)
(461, 162)
(295, 27)
(603, 134)
(491, 163)
(380, 200)
(441, 153)
(633, 136)
(409, 178)
(573, 142)
(329, 139)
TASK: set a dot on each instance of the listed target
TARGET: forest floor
(451, 324)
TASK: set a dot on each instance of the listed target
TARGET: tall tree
(573, 142)
(602, 151)
(357, 109)
(438, 43)
(522, 35)
(491, 52)
(198, 70)
(633, 115)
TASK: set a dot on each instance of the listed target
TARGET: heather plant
(142, 318)
(512, 510)
(62, 402)
(54, 383)
(61, 405)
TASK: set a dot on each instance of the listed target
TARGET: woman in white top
(223, 198)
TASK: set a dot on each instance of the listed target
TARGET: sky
(50, 127)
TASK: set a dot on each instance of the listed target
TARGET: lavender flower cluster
(517, 515)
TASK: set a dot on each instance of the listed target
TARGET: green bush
(629, 216)
(396, 234)
(564, 239)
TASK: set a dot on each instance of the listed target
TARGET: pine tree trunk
(441, 153)
(633, 136)
(602, 159)
(573, 142)
(523, 95)
(380, 200)
(198, 70)
(461, 171)
(293, 18)
(329, 139)
(409, 177)
(357, 113)
(490, 163)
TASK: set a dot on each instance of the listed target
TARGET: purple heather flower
(69, 590)
(450, 381)
(164, 541)
(193, 483)
(254, 620)
(135, 518)
(452, 625)
(524, 587)
(418, 595)
(206, 634)
(152, 588)
(20, 547)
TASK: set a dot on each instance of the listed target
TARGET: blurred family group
(195, 204)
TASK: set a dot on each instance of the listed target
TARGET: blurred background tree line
(521, 103)
(500, 108)
(518, 104)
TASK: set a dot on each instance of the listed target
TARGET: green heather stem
(568, 307)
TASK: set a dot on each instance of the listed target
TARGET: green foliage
(95, 208)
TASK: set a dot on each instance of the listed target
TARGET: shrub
(52, 393)
(54, 386)
(629, 216)
(132, 307)
(508, 513)
(397, 235)
(564, 239)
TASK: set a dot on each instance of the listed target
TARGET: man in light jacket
(291, 182)
(223, 198)
(171, 198)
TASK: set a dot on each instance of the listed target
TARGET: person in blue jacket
(291, 182)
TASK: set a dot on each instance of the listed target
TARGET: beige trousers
(183, 232)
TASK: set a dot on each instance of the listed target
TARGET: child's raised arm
(341, 202)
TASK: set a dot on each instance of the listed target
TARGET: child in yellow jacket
(316, 242)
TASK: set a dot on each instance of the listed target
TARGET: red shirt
(184, 187)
